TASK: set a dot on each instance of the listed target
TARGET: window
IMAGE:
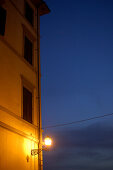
(29, 13)
(2, 20)
(28, 50)
(27, 105)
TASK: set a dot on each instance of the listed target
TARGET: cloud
(94, 136)
(87, 148)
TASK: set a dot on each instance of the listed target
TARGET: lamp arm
(37, 151)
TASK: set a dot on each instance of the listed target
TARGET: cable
(79, 121)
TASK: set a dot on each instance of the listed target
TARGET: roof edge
(44, 9)
(42, 6)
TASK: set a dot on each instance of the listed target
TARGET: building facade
(20, 101)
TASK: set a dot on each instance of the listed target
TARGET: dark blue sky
(77, 78)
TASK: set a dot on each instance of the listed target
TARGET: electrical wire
(78, 121)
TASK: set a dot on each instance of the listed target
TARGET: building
(20, 101)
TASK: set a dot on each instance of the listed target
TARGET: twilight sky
(77, 83)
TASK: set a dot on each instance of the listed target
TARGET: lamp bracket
(37, 151)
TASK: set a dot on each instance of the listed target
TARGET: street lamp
(45, 146)
(47, 141)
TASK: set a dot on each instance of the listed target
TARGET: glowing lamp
(45, 146)
(47, 141)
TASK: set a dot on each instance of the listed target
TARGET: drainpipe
(40, 163)
(40, 158)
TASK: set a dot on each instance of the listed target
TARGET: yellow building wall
(17, 136)
(14, 25)
(13, 66)
(12, 69)
(15, 152)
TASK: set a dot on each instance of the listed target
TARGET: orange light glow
(28, 145)
(48, 141)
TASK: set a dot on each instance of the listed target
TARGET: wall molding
(14, 130)
(4, 109)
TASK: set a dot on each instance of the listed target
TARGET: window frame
(26, 33)
(29, 86)
(31, 50)
(3, 20)
(31, 6)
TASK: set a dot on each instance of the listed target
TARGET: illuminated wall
(17, 136)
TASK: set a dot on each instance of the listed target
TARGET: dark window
(2, 20)
(28, 50)
(29, 13)
(27, 105)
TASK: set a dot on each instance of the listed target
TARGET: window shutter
(29, 13)
(27, 105)
(2, 20)
(28, 50)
